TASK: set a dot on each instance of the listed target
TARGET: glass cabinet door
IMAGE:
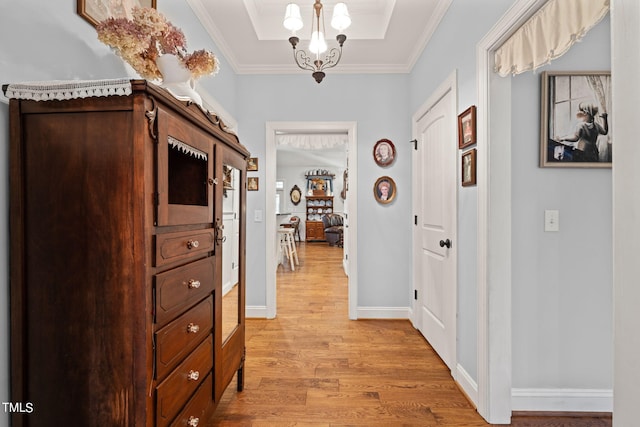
(230, 252)
(185, 181)
(231, 196)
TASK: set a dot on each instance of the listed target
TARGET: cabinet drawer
(173, 393)
(174, 247)
(179, 337)
(193, 414)
(178, 289)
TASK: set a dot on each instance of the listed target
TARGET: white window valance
(312, 141)
(548, 34)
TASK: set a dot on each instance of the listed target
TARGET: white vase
(177, 79)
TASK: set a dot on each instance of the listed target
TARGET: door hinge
(415, 143)
(415, 294)
(415, 220)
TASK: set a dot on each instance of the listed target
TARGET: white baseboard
(467, 384)
(562, 400)
(383, 312)
(256, 312)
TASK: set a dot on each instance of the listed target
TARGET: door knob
(446, 243)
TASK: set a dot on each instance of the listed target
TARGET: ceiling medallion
(311, 61)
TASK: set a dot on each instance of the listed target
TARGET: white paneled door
(435, 209)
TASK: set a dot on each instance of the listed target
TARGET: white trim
(625, 68)
(562, 400)
(270, 194)
(494, 219)
(431, 26)
(467, 383)
(384, 312)
(256, 312)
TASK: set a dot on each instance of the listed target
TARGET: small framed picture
(467, 127)
(252, 164)
(468, 168)
(384, 190)
(384, 152)
(95, 11)
(252, 183)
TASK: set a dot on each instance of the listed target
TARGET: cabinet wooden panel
(178, 289)
(179, 337)
(183, 381)
(175, 247)
(314, 231)
(116, 260)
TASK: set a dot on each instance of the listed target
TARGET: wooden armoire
(119, 314)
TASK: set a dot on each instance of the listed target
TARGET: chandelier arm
(330, 59)
(303, 60)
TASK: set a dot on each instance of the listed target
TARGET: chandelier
(317, 45)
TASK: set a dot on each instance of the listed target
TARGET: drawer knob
(192, 244)
(193, 375)
(192, 328)
(193, 421)
(194, 284)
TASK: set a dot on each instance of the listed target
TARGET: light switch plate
(551, 220)
(257, 215)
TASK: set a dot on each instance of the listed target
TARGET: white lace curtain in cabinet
(548, 34)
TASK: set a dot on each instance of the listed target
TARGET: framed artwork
(467, 127)
(384, 190)
(574, 120)
(252, 183)
(252, 164)
(384, 152)
(95, 11)
(468, 174)
(295, 195)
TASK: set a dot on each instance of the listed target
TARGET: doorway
(350, 244)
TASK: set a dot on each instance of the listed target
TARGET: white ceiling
(386, 36)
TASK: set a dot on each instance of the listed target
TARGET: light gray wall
(453, 46)
(378, 103)
(562, 282)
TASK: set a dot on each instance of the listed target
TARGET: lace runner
(68, 89)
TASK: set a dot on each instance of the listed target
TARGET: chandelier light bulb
(341, 19)
(292, 18)
(317, 44)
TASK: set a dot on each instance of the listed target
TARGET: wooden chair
(295, 224)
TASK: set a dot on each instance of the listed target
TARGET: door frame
(494, 219)
(449, 85)
(351, 205)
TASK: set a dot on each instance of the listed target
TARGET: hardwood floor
(311, 366)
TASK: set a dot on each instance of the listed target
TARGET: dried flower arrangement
(141, 40)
